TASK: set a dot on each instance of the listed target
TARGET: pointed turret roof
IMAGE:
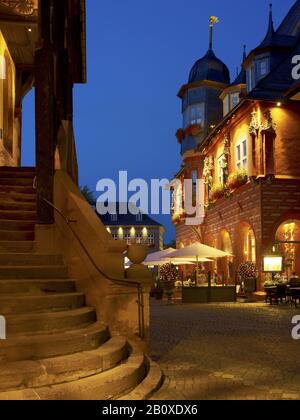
(269, 38)
(209, 68)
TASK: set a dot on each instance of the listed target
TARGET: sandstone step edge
(107, 385)
(47, 346)
(147, 388)
(63, 369)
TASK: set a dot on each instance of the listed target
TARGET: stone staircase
(55, 347)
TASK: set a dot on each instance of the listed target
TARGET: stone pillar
(45, 114)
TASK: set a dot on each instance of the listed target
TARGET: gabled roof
(128, 219)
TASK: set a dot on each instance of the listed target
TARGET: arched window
(288, 236)
(2, 68)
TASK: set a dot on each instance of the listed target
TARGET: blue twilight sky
(139, 54)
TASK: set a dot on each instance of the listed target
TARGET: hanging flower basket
(218, 191)
(193, 130)
(237, 179)
(180, 134)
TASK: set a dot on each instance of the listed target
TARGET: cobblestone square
(225, 351)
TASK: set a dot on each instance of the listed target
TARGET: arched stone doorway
(225, 265)
(288, 244)
(246, 243)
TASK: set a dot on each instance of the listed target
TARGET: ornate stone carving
(269, 125)
(255, 124)
(224, 160)
(22, 7)
(208, 170)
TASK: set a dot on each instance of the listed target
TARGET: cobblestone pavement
(225, 351)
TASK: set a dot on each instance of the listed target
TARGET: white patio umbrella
(197, 252)
(157, 256)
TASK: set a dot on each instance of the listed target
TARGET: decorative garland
(247, 270)
(168, 273)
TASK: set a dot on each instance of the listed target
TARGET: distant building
(139, 228)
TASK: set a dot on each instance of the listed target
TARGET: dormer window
(114, 217)
(139, 217)
(251, 78)
(262, 68)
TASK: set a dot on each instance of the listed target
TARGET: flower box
(218, 191)
(193, 130)
(237, 179)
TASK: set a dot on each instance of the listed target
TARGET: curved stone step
(16, 246)
(33, 272)
(17, 225)
(103, 386)
(17, 197)
(38, 286)
(148, 386)
(15, 235)
(17, 180)
(17, 215)
(24, 171)
(17, 205)
(22, 304)
(24, 259)
(53, 345)
(49, 322)
(18, 189)
(58, 370)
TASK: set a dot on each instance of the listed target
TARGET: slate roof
(291, 23)
(128, 219)
(279, 80)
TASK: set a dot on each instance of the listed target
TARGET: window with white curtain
(242, 155)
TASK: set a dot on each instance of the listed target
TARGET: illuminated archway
(288, 237)
(225, 266)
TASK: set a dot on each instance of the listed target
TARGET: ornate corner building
(243, 139)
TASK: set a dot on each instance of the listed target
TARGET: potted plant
(217, 192)
(168, 276)
(248, 275)
(180, 134)
(237, 179)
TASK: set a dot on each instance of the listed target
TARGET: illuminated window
(220, 170)
(234, 100)
(242, 155)
(127, 238)
(2, 68)
(151, 239)
(115, 236)
(226, 105)
(250, 246)
(193, 115)
(262, 68)
(251, 78)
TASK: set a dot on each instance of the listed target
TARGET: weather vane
(213, 20)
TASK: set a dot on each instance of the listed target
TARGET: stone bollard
(137, 253)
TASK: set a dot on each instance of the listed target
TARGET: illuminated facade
(135, 229)
(247, 150)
